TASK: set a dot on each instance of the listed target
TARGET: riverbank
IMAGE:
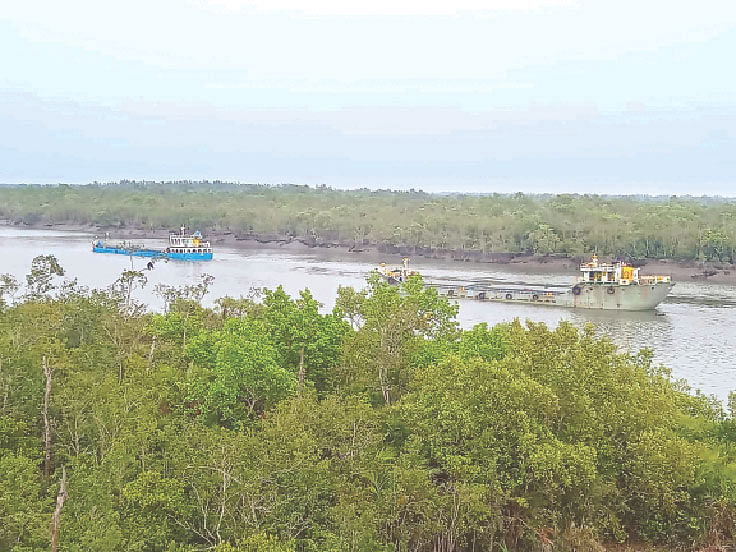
(679, 270)
(694, 337)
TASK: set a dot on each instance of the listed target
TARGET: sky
(468, 95)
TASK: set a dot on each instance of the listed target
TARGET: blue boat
(182, 247)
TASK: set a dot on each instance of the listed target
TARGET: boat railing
(119, 245)
(655, 279)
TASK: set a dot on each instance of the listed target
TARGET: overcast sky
(629, 96)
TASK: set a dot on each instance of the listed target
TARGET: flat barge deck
(516, 294)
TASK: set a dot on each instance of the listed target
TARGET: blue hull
(154, 253)
(189, 256)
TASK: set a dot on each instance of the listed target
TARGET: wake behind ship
(182, 247)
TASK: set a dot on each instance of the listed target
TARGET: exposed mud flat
(680, 270)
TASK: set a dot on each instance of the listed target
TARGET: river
(694, 333)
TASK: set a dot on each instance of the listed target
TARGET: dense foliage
(683, 228)
(381, 426)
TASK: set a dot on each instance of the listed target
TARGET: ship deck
(551, 295)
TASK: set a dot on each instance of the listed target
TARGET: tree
(240, 307)
(48, 373)
(8, 287)
(306, 341)
(556, 432)
(258, 542)
(348, 305)
(129, 280)
(167, 293)
(396, 320)
(714, 244)
(543, 239)
(40, 279)
(22, 505)
(56, 519)
(187, 292)
(239, 377)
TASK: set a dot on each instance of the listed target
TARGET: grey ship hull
(616, 297)
(634, 297)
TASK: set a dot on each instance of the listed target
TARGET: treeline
(266, 425)
(573, 225)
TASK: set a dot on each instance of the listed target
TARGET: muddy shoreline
(680, 270)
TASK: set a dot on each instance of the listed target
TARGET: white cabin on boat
(619, 273)
(188, 243)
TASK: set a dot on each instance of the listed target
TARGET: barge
(182, 246)
(607, 286)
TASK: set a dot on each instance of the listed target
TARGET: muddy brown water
(693, 332)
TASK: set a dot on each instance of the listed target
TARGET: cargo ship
(182, 246)
(607, 286)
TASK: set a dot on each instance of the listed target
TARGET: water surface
(695, 337)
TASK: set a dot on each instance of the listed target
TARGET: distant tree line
(571, 225)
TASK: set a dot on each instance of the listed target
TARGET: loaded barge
(182, 246)
(607, 286)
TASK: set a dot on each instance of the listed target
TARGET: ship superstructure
(189, 247)
(617, 285)
(618, 273)
(398, 274)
